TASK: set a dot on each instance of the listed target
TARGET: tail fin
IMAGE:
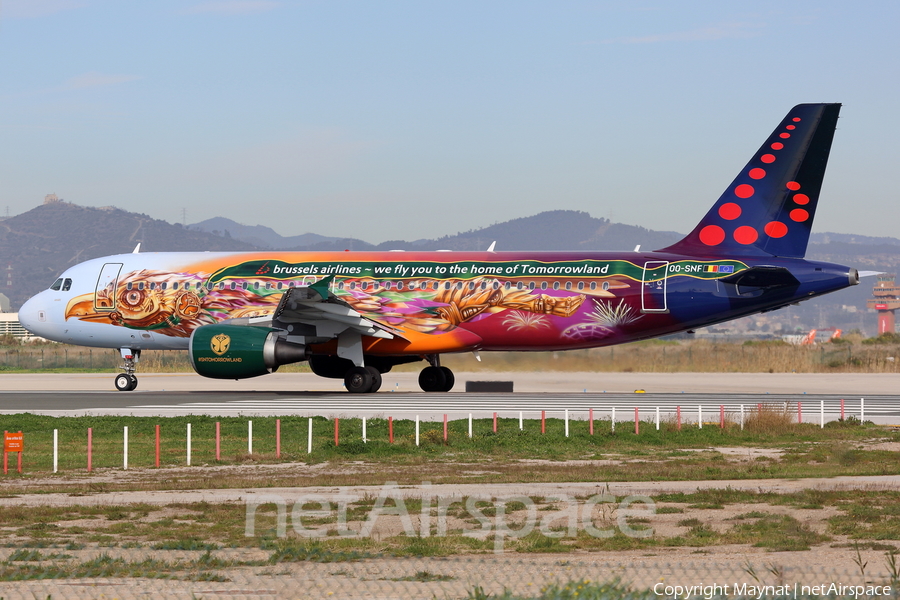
(769, 208)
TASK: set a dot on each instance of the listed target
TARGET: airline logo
(219, 344)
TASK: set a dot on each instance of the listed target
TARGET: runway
(171, 395)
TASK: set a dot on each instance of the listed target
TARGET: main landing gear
(436, 378)
(363, 380)
(127, 381)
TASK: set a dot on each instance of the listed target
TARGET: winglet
(137, 249)
(491, 247)
(321, 286)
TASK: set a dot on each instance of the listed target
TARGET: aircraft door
(653, 290)
(105, 292)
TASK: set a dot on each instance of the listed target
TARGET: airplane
(355, 315)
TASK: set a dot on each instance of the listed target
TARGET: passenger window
(364, 285)
(543, 285)
(459, 285)
(472, 285)
(446, 285)
(152, 285)
(580, 285)
(141, 285)
(508, 285)
(67, 285)
(399, 285)
(352, 285)
(387, 285)
(605, 285)
(555, 285)
(128, 286)
(520, 285)
(175, 285)
(255, 285)
(568, 285)
(57, 285)
(341, 285)
(593, 285)
(163, 286)
(496, 285)
(531, 285)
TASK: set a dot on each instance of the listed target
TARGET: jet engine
(238, 352)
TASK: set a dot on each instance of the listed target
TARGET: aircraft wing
(314, 312)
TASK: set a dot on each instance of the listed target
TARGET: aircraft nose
(34, 316)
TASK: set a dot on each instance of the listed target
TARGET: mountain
(40, 244)
(259, 236)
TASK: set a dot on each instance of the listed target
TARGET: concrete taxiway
(875, 397)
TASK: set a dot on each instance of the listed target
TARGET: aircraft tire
(449, 379)
(358, 380)
(134, 382)
(376, 379)
(432, 379)
(123, 382)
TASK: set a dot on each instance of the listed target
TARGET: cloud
(232, 7)
(31, 9)
(94, 79)
(722, 31)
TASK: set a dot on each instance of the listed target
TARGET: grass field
(841, 448)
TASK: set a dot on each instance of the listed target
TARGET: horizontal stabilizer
(762, 277)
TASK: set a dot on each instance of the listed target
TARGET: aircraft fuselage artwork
(354, 315)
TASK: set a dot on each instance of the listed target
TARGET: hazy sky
(386, 120)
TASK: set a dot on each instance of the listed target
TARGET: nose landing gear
(127, 381)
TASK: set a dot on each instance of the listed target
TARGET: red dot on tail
(796, 119)
(799, 215)
(776, 229)
(712, 235)
(745, 235)
(757, 173)
(801, 198)
(745, 190)
(730, 211)
(767, 158)
(791, 127)
(777, 146)
(784, 136)
(793, 185)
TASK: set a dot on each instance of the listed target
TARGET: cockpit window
(67, 284)
(56, 285)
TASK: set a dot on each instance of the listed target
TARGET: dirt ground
(455, 577)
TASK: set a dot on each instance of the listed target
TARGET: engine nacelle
(238, 352)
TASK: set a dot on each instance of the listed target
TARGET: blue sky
(404, 120)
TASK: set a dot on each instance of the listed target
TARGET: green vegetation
(667, 454)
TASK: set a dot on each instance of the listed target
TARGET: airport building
(9, 325)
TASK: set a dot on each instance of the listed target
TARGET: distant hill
(257, 235)
(43, 242)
